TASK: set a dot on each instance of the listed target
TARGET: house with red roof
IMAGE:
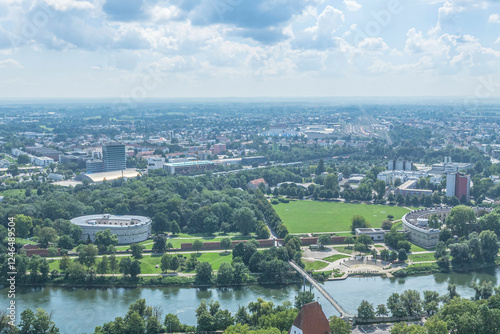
(310, 320)
(254, 184)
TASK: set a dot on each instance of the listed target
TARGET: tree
(134, 323)
(324, 240)
(358, 221)
(204, 273)
(76, 271)
(24, 224)
(489, 246)
(339, 326)
(174, 263)
(39, 322)
(65, 242)
(403, 328)
(460, 218)
(384, 254)
(137, 250)
(402, 256)
(112, 263)
(135, 268)
(364, 239)
(379, 187)
(87, 254)
(64, 263)
(349, 240)
(431, 302)
(173, 324)
(365, 310)
(411, 302)
(304, 297)
(174, 227)
(320, 169)
(244, 219)
(225, 244)
(197, 245)
(382, 311)
(46, 235)
(23, 159)
(102, 267)
(165, 262)
(225, 274)
(105, 238)
(160, 244)
(125, 264)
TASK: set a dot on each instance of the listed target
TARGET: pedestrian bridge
(328, 297)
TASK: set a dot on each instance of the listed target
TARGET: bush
(274, 201)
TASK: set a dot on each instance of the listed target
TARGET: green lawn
(415, 248)
(22, 242)
(335, 257)
(315, 265)
(12, 192)
(314, 216)
(422, 257)
(397, 226)
(149, 262)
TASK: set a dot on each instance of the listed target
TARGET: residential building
(218, 148)
(458, 184)
(409, 188)
(399, 165)
(254, 184)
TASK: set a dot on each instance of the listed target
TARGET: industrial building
(251, 160)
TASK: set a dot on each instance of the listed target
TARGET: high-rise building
(458, 184)
(399, 165)
(114, 157)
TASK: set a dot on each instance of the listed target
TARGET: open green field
(314, 216)
(422, 257)
(415, 248)
(314, 265)
(12, 192)
(148, 262)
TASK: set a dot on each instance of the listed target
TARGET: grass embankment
(417, 269)
(314, 216)
(315, 265)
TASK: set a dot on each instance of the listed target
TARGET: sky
(139, 49)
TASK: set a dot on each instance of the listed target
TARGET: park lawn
(378, 246)
(315, 216)
(335, 257)
(397, 226)
(12, 192)
(422, 257)
(415, 248)
(314, 265)
(344, 234)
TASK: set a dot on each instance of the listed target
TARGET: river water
(78, 310)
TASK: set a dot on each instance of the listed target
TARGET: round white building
(128, 229)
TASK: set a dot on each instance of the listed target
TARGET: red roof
(312, 320)
(256, 182)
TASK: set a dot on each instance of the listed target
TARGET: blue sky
(244, 48)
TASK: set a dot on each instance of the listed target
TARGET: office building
(189, 167)
(94, 166)
(114, 157)
(458, 184)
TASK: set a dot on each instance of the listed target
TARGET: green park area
(148, 262)
(314, 216)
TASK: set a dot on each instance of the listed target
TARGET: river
(78, 310)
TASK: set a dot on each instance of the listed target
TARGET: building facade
(458, 184)
(114, 157)
(128, 229)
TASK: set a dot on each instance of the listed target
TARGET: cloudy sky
(245, 48)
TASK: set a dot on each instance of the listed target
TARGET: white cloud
(65, 5)
(10, 63)
(494, 18)
(352, 5)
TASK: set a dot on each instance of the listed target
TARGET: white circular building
(128, 229)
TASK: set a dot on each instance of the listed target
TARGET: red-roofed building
(310, 320)
(254, 184)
